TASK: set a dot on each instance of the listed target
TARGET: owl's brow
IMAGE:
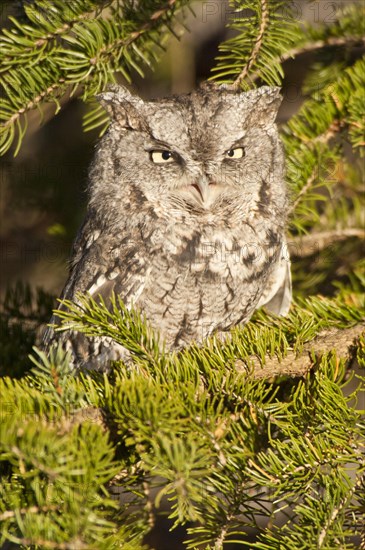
(159, 143)
(238, 141)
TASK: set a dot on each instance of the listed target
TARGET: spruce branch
(312, 243)
(219, 542)
(346, 32)
(359, 507)
(339, 340)
(343, 504)
(149, 504)
(31, 510)
(257, 45)
(70, 51)
(164, 419)
(48, 28)
(262, 36)
(312, 138)
(24, 457)
(126, 327)
(304, 190)
(332, 42)
(42, 95)
(74, 544)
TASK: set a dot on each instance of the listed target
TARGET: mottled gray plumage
(186, 214)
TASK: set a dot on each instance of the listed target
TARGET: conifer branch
(135, 35)
(337, 510)
(304, 190)
(149, 504)
(50, 35)
(82, 52)
(339, 339)
(332, 41)
(263, 36)
(108, 51)
(309, 139)
(34, 102)
(8, 514)
(257, 45)
(75, 544)
(154, 18)
(219, 543)
(308, 43)
(310, 47)
(52, 474)
(306, 245)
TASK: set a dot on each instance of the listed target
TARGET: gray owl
(186, 215)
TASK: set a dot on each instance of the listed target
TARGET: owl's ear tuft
(124, 108)
(266, 101)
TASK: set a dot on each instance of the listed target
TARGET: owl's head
(195, 151)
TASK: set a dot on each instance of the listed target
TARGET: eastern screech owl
(186, 215)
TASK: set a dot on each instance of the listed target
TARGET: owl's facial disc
(202, 190)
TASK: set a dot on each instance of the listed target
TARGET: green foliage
(53, 476)
(309, 139)
(58, 48)
(115, 321)
(268, 337)
(298, 466)
(326, 181)
(264, 31)
(202, 436)
(223, 448)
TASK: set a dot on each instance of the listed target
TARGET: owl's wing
(278, 292)
(124, 277)
(106, 264)
(100, 266)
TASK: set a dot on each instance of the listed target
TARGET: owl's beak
(203, 189)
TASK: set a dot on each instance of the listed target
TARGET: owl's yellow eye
(161, 157)
(236, 153)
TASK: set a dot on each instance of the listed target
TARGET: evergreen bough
(264, 431)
